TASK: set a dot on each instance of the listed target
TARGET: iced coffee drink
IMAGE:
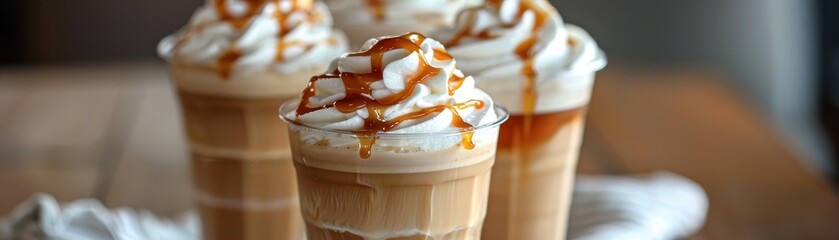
(393, 142)
(233, 65)
(365, 19)
(526, 58)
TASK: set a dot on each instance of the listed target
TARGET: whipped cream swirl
(237, 36)
(407, 84)
(521, 40)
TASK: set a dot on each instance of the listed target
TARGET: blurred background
(697, 87)
(779, 55)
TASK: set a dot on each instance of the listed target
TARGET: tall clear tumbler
(412, 186)
(241, 163)
(537, 155)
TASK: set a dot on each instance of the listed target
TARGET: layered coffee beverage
(233, 65)
(526, 58)
(365, 19)
(394, 142)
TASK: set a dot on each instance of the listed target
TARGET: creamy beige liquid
(244, 178)
(347, 202)
(533, 176)
(245, 186)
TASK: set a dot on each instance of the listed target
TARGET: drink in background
(533, 176)
(365, 19)
(233, 64)
(241, 162)
(529, 60)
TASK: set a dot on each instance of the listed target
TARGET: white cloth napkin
(657, 206)
(41, 217)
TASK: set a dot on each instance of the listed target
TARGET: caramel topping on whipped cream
(235, 36)
(521, 39)
(396, 83)
(524, 50)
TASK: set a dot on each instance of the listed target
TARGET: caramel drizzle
(229, 57)
(225, 62)
(467, 32)
(282, 45)
(359, 91)
(378, 8)
(525, 50)
(442, 55)
(455, 81)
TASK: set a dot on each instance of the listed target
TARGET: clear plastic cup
(241, 162)
(533, 177)
(425, 186)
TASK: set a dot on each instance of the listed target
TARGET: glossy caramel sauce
(524, 51)
(282, 18)
(467, 32)
(358, 91)
(282, 45)
(226, 61)
(528, 130)
(455, 82)
(442, 55)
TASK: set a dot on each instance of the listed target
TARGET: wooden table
(112, 132)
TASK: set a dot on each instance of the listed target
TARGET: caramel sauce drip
(254, 7)
(455, 82)
(365, 144)
(285, 27)
(282, 45)
(225, 62)
(378, 8)
(442, 55)
(283, 16)
(358, 91)
(520, 128)
(467, 32)
(524, 50)
(495, 3)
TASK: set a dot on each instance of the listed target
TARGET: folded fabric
(41, 217)
(657, 206)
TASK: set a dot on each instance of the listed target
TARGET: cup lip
(589, 67)
(501, 111)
